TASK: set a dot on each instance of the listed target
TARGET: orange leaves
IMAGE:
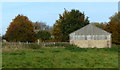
(20, 29)
(114, 28)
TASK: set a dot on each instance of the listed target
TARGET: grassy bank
(61, 57)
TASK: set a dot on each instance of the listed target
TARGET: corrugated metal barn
(91, 36)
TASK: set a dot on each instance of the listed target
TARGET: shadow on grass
(39, 51)
(74, 48)
(56, 51)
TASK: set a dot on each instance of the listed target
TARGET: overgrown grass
(58, 44)
(18, 47)
(68, 57)
(32, 46)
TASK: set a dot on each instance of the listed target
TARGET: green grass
(61, 58)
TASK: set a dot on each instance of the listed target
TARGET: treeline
(22, 29)
(113, 26)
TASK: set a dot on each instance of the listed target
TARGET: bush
(20, 29)
(57, 44)
(67, 46)
(43, 35)
(32, 46)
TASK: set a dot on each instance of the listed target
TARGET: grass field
(52, 57)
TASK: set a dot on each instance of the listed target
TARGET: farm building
(90, 36)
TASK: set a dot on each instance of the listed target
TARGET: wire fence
(40, 43)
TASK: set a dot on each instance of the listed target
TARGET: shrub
(74, 48)
(43, 35)
(67, 46)
(32, 46)
(57, 44)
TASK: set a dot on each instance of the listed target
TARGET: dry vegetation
(69, 56)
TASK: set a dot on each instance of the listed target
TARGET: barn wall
(92, 43)
(90, 37)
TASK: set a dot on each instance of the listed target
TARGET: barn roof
(90, 29)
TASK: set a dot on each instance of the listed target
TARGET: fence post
(38, 42)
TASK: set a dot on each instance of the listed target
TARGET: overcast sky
(49, 11)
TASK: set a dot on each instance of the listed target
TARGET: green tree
(114, 27)
(20, 29)
(43, 35)
(68, 22)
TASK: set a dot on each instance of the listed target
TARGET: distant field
(52, 57)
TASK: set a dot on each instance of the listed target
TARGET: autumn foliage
(114, 28)
(20, 29)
